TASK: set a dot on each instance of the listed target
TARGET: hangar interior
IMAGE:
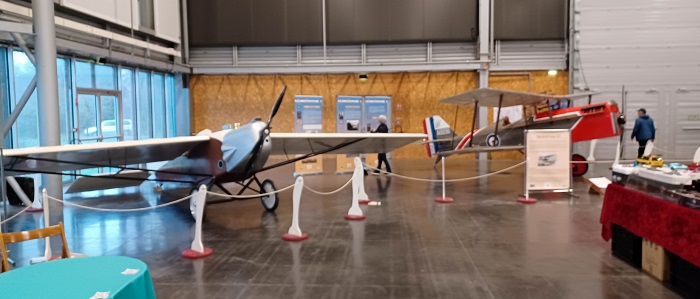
(116, 113)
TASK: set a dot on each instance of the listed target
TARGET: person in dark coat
(382, 128)
(643, 131)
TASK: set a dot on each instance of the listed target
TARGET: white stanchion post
(617, 153)
(47, 223)
(197, 250)
(47, 241)
(591, 151)
(362, 197)
(294, 233)
(355, 213)
(443, 199)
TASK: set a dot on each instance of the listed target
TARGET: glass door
(98, 116)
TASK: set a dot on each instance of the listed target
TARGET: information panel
(374, 107)
(349, 120)
(308, 118)
(548, 155)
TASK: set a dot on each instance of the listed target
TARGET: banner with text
(348, 120)
(308, 111)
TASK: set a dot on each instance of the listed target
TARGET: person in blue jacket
(643, 130)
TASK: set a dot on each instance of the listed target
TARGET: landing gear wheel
(269, 201)
(493, 140)
(193, 205)
(578, 169)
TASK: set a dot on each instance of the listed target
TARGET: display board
(308, 118)
(374, 106)
(548, 160)
(348, 120)
(360, 114)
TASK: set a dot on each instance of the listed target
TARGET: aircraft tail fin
(441, 137)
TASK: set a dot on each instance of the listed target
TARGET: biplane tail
(441, 137)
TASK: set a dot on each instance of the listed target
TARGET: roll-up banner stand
(374, 106)
(308, 118)
(348, 120)
(548, 161)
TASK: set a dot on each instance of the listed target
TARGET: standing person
(382, 128)
(643, 130)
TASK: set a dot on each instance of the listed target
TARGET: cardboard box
(655, 261)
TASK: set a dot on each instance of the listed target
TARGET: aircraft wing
(490, 97)
(55, 159)
(339, 143)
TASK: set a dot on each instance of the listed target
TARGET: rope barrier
(120, 210)
(331, 192)
(15, 215)
(254, 195)
(447, 181)
(621, 161)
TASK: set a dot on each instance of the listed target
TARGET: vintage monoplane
(210, 158)
(586, 122)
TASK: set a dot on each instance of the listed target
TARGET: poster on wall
(348, 120)
(548, 156)
(308, 118)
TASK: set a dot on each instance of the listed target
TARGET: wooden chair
(22, 236)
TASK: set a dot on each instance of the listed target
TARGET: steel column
(46, 70)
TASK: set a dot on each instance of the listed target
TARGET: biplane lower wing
(481, 149)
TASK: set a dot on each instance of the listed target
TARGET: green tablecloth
(79, 278)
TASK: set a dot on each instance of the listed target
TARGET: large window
(148, 99)
(144, 104)
(27, 125)
(159, 106)
(126, 85)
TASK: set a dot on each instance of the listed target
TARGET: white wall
(167, 14)
(167, 19)
(652, 47)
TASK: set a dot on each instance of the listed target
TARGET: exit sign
(694, 117)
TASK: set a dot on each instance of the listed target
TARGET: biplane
(210, 158)
(586, 122)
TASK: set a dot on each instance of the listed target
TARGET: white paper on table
(601, 183)
(130, 271)
(100, 295)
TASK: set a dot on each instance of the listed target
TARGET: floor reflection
(484, 245)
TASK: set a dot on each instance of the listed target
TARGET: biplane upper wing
(491, 97)
(55, 159)
(339, 143)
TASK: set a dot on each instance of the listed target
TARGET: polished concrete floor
(484, 245)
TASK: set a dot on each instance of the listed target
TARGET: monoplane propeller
(276, 108)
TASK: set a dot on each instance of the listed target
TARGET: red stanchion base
(527, 200)
(34, 210)
(355, 217)
(364, 201)
(193, 255)
(444, 199)
(295, 238)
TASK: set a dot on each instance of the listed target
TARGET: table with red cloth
(673, 227)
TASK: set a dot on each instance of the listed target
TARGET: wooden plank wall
(227, 99)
